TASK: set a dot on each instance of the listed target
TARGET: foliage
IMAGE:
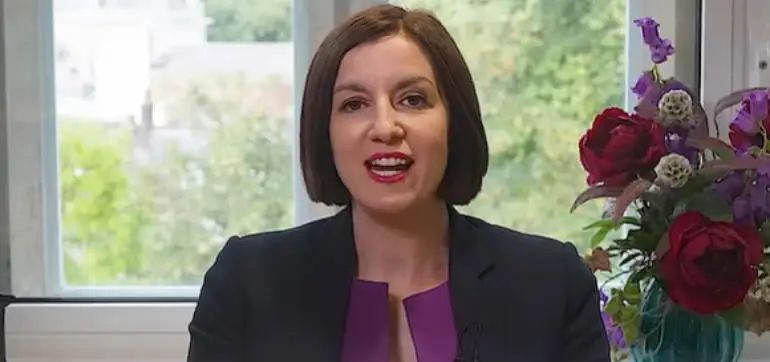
(104, 221)
(249, 21)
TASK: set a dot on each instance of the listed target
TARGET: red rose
(620, 147)
(710, 265)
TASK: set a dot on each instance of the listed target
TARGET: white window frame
(154, 332)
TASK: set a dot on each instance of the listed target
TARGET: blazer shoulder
(273, 248)
(508, 242)
(534, 255)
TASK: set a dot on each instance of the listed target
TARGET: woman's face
(388, 125)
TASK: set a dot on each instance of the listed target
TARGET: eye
(414, 101)
(352, 106)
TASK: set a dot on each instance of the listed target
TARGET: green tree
(237, 183)
(249, 21)
(104, 222)
(162, 223)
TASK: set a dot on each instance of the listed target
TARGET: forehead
(385, 59)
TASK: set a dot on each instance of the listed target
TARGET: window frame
(153, 328)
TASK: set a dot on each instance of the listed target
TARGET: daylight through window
(174, 121)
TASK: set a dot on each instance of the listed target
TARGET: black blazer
(282, 297)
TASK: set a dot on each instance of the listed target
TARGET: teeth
(386, 173)
(389, 161)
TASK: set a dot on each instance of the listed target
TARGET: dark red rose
(620, 147)
(710, 265)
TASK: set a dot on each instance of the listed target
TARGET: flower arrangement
(697, 209)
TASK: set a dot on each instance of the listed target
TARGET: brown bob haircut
(468, 156)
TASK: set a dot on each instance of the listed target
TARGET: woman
(391, 130)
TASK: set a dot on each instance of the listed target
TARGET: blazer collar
(334, 270)
(469, 254)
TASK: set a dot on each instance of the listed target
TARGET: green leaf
(630, 220)
(723, 153)
(630, 327)
(735, 316)
(607, 223)
(599, 236)
(709, 204)
(614, 306)
(632, 292)
(601, 224)
(640, 274)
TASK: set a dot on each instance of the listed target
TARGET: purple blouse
(429, 315)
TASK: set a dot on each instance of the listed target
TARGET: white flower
(761, 290)
(675, 108)
(673, 170)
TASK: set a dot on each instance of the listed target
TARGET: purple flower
(614, 332)
(748, 196)
(642, 84)
(657, 90)
(754, 110)
(660, 49)
(676, 142)
(649, 28)
(653, 92)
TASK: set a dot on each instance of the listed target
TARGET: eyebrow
(403, 83)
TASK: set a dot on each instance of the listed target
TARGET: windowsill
(137, 332)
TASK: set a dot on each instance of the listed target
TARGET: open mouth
(388, 167)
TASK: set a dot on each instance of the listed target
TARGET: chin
(387, 204)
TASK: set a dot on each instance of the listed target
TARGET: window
(162, 136)
(183, 144)
(543, 69)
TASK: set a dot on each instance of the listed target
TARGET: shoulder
(272, 247)
(544, 260)
(512, 245)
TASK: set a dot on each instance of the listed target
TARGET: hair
(468, 154)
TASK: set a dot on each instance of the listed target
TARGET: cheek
(345, 143)
(431, 145)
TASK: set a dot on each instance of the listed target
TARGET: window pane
(543, 69)
(174, 124)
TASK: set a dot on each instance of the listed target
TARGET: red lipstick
(388, 167)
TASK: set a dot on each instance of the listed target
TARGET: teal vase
(670, 334)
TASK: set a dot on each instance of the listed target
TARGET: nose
(386, 128)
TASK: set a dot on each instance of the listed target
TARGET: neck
(409, 246)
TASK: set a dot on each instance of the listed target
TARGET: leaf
(599, 224)
(640, 274)
(632, 292)
(630, 220)
(629, 258)
(720, 148)
(613, 307)
(735, 316)
(709, 204)
(595, 192)
(629, 194)
(599, 236)
(735, 164)
(631, 329)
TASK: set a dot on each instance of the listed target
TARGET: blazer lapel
(330, 273)
(469, 262)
